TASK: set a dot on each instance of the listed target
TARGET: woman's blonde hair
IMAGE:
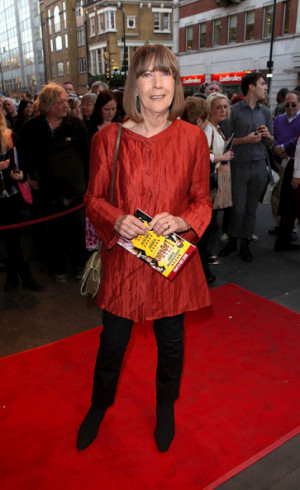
(163, 60)
(214, 97)
(48, 96)
(5, 134)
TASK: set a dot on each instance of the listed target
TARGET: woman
(218, 110)
(195, 112)
(25, 111)
(88, 102)
(75, 106)
(105, 110)
(161, 169)
(10, 213)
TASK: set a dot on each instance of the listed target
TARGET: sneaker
(255, 238)
(60, 278)
(224, 237)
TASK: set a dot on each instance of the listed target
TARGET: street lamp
(270, 63)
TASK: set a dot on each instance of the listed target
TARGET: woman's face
(87, 108)
(109, 111)
(155, 90)
(77, 110)
(219, 110)
(28, 110)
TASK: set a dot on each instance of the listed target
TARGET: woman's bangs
(161, 62)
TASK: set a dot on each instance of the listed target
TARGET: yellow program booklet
(167, 255)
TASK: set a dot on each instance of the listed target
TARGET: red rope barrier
(41, 220)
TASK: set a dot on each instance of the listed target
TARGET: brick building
(222, 39)
(115, 29)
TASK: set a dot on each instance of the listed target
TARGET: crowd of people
(53, 132)
(182, 161)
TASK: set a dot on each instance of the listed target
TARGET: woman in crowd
(10, 212)
(195, 112)
(161, 169)
(98, 86)
(25, 111)
(105, 110)
(88, 102)
(218, 110)
(75, 106)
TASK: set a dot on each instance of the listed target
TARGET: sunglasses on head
(291, 105)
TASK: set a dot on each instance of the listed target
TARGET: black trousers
(287, 206)
(114, 339)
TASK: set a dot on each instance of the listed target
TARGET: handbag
(91, 276)
(272, 182)
(24, 187)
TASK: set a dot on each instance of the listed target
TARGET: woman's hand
(295, 182)
(128, 226)
(165, 223)
(229, 155)
(4, 165)
(17, 175)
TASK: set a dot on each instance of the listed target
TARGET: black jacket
(58, 159)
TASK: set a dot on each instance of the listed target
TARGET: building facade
(115, 29)
(21, 47)
(223, 39)
(65, 53)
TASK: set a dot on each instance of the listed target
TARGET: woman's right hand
(128, 226)
(229, 155)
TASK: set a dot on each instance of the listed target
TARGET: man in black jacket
(55, 154)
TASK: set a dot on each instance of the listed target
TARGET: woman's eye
(166, 73)
(147, 74)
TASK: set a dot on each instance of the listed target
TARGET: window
(64, 15)
(189, 37)
(268, 17)
(79, 9)
(68, 67)
(130, 21)
(51, 45)
(217, 32)
(58, 43)
(202, 35)
(80, 38)
(56, 14)
(82, 65)
(60, 68)
(249, 25)
(49, 22)
(162, 20)
(101, 27)
(286, 17)
(66, 41)
(232, 25)
(92, 26)
(110, 20)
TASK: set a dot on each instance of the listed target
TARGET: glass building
(21, 47)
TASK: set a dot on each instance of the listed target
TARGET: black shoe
(245, 253)
(165, 426)
(284, 247)
(32, 284)
(274, 231)
(213, 260)
(89, 428)
(229, 248)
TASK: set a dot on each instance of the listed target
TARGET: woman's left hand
(165, 223)
(4, 164)
(17, 175)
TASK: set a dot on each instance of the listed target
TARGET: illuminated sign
(193, 80)
(234, 77)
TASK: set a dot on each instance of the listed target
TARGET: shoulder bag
(92, 272)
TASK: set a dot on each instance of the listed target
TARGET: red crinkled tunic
(168, 172)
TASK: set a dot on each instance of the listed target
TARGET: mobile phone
(256, 132)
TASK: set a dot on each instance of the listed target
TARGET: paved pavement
(32, 319)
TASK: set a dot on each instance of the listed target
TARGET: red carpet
(240, 398)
